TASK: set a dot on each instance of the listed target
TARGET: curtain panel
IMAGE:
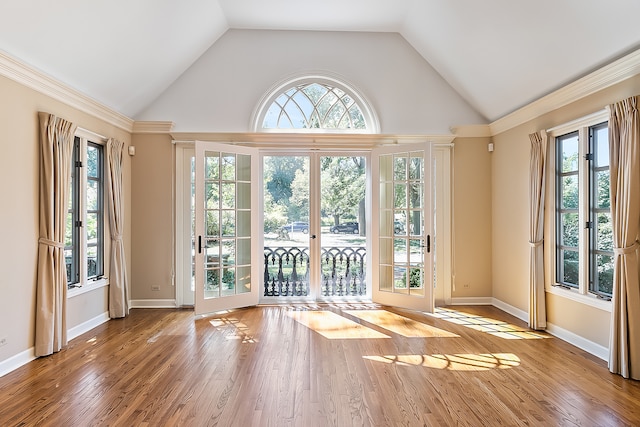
(56, 151)
(118, 284)
(624, 157)
(537, 169)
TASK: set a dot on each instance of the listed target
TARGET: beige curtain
(56, 152)
(118, 293)
(624, 155)
(537, 168)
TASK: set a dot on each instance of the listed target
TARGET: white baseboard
(87, 326)
(580, 342)
(471, 301)
(16, 361)
(28, 355)
(558, 332)
(152, 303)
(508, 308)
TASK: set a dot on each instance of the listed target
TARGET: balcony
(286, 271)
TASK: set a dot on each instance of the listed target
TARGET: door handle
(199, 244)
(428, 243)
(313, 236)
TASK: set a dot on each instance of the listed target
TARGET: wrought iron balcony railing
(286, 271)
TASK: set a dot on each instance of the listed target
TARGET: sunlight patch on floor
(333, 326)
(400, 325)
(494, 327)
(453, 362)
(236, 330)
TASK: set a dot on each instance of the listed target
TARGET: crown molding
(607, 76)
(46, 85)
(152, 127)
(309, 140)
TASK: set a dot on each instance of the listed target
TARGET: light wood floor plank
(262, 367)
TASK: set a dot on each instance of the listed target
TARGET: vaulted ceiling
(499, 55)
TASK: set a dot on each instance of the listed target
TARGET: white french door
(315, 227)
(397, 220)
(227, 265)
(403, 256)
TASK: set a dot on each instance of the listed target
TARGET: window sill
(575, 295)
(91, 286)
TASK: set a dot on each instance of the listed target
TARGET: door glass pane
(400, 280)
(416, 281)
(400, 166)
(415, 223)
(406, 220)
(343, 226)
(400, 196)
(228, 167)
(386, 278)
(212, 194)
(416, 167)
(226, 219)
(228, 223)
(228, 195)
(415, 195)
(243, 279)
(286, 226)
(386, 223)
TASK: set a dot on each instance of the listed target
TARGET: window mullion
(584, 214)
(82, 175)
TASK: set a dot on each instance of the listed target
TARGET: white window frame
(85, 284)
(370, 117)
(581, 294)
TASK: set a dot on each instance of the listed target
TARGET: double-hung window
(583, 233)
(84, 239)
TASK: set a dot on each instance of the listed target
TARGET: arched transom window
(316, 105)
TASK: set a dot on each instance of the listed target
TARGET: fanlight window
(314, 106)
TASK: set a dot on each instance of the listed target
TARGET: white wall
(221, 90)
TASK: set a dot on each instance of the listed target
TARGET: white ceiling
(498, 54)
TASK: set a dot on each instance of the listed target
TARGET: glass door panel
(286, 208)
(402, 174)
(343, 224)
(224, 198)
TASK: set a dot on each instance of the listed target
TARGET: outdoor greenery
(570, 224)
(286, 195)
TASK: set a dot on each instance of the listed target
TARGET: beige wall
(19, 172)
(511, 218)
(472, 218)
(152, 213)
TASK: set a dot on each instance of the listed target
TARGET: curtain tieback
(117, 237)
(52, 243)
(627, 250)
(536, 243)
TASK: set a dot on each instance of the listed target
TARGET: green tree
(343, 184)
(279, 173)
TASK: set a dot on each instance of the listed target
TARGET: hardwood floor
(308, 365)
